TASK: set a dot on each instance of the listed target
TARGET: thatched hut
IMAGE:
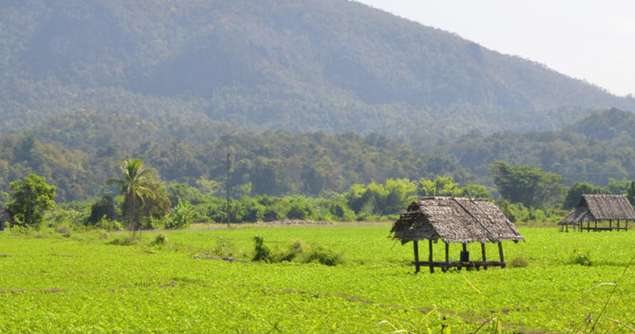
(5, 216)
(602, 209)
(455, 220)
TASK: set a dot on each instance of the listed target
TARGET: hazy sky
(593, 40)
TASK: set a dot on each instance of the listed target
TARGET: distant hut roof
(454, 220)
(600, 207)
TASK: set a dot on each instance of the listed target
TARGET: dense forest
(78, 151)
(304, 66)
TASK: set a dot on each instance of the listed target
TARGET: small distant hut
(5, 216)
(601, 209)
(455, 220)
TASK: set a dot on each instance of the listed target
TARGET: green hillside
(310, 65)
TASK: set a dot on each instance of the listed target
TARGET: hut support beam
(500, 251)
(416, 246)
(483, 252)
(447, 256)
(431, 262)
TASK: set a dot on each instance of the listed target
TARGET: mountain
(301, 65)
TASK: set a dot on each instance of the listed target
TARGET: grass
(90, 283)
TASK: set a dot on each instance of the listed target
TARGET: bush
(223, 247)
(105, 207)
(124, 241)
(580, 257)
(62, 229)
(262, 252)
(160, 240)
(180, 217)
(519, 262)
(109, 225)
(322, 256)
(297, 251)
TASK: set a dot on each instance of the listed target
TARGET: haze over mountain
(302, 65)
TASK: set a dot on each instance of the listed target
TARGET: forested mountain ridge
(301, 65)
(595, 149)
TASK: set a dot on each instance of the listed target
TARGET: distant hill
(606, 125)
(301, 65)
(595, 149)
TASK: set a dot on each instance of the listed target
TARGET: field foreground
(97, 282)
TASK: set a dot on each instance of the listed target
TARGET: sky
(592, 40)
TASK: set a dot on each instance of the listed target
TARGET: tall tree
(630, 193)
(134, 183)
(30, 197)
(577, 190)
(528, 185)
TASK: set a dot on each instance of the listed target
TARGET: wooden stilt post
(500, 251)
(431, 263)
(447, 256)
(483, 252)
(416, 246)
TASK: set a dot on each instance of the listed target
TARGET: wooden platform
(445, 266)
(597, 228)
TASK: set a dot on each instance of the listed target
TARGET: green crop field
(99, 282)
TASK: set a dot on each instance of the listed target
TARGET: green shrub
(262, 252)
(62, 229)
(123, 241)
(580, 257)
(322, 256)
(109, 225)
(160, 240)
(519, 262)
(223, 247)
(180, 217)
(297, 251)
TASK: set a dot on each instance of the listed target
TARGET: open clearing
(88, 283)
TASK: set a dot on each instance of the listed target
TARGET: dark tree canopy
(104, 208)
(528, 185)
(577, 190)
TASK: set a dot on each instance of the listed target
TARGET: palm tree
(133, 183)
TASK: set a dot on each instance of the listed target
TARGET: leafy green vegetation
(48, 282)
(30, 197)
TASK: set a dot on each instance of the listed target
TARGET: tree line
(525, 194)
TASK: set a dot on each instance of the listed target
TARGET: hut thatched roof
(600, 207)
(460, 220)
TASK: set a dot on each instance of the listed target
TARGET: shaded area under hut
(601, 209)
(455, 220)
